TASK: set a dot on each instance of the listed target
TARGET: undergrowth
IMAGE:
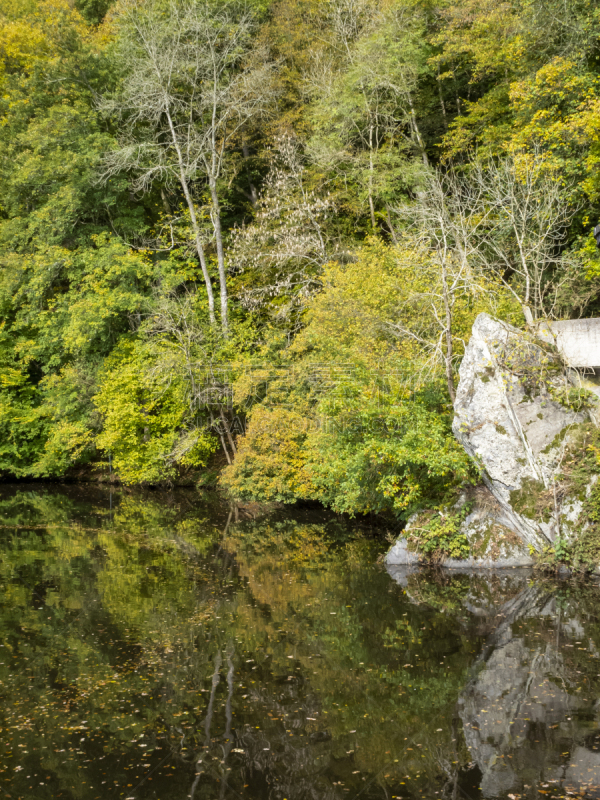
(437, 534)
(575, 398)
(580, 465)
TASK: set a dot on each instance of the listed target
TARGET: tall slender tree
(189, 86)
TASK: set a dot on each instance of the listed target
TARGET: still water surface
(162, 646)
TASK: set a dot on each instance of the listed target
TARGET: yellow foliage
(485, 31)
(32, 31)
(343, 425)
(271, 460)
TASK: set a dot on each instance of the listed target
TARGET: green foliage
(54, 344)
(270, 464)
(437, 534)
(369, 458)
(575, 398)
(345, 420)
(562, 550)
(584, 551)
(332, 384)
(144, 420)
(578, 482)
(93, 11)
(532, 500)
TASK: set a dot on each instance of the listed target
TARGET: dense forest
(243, 244)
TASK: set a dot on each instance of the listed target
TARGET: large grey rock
(514, 416)
(489, 529)
(400, 555)
(577, 340)
(494, 544)
(509, 423)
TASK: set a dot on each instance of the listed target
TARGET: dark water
(155, 647)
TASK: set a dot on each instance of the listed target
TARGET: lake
(167, 646)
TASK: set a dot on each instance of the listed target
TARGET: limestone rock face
(522, 414)
(507, 419)
(577, 340)
(490, 531)
(400, 554)
(494, 543)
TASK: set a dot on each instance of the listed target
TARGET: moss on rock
(531, 500)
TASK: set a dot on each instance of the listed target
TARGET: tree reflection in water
(155, 647)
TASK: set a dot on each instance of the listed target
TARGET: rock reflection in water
(529, 711)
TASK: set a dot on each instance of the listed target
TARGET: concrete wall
(578, 340)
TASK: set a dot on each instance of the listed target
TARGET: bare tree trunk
(222, 438)
(528, 315)
(441, 96)
(227, 430)
(195, 226)
(165, 202)
(216, 220)
(525, 304)
(456, 94)
(253, 196)
(390, 226)
(200, 251)
(371, 168)
(416, 130)
(448, 334)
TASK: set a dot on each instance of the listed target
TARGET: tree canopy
(249, 240)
